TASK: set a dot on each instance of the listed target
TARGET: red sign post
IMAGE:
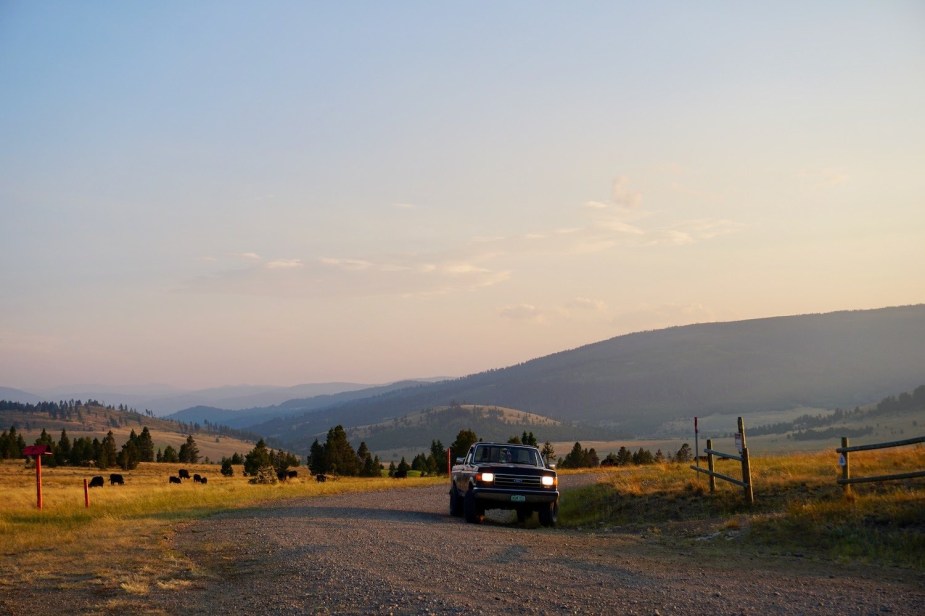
(37, 451)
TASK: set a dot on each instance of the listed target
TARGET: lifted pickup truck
(504, 476)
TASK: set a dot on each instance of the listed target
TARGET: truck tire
(549, 514)
(471, 509)
(456, 503)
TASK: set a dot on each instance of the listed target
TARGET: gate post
(845, 468)
(710, 465)
(746, 466)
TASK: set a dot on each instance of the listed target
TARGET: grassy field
(799, 508)
(122, 539)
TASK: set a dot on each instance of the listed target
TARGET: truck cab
(504, 476)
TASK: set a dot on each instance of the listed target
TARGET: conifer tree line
(78, 411)
(337, 457)
(84, 451)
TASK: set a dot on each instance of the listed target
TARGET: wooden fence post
(845, 468)
(746, 467)
(710, 465)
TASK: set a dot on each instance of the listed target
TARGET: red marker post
(696, 443)
(37, 451)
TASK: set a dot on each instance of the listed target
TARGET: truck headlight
(487, 477)
(548, 481)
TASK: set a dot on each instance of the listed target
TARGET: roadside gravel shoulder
(400, 552)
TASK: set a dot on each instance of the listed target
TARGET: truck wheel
(456, 504)
(549, 514)
(470, 509)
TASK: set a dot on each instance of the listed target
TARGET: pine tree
(145, 445)
(170, 454)
(63, 451)
(316, 458)
(258, 458)
(189, 451)
(107, 455)
(339, 456)
(464, 440)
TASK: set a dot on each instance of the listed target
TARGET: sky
(203, 193)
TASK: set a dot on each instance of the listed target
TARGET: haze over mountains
(635, 385)
(638, 383)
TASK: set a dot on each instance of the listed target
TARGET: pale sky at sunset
(215, 193)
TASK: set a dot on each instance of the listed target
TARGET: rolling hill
(93, 420)
(635, 384)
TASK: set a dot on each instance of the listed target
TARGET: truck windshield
(501, 454)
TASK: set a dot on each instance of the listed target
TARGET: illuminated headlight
(548, 480)
(488, 477)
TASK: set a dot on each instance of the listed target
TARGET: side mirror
(459, 460)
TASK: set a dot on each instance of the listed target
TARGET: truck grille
(518, 481)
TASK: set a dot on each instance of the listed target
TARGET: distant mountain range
(636, 384)
(163, 399)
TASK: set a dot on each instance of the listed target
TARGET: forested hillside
(632, 384)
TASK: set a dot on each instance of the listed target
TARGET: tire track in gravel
(400, 552)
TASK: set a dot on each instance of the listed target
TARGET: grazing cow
(205, 480)
(97, 482)
(320, 478)
(173, 479)
(197, 478)
(292, 474)
(183, 473)
(116, 478)
(281, 475)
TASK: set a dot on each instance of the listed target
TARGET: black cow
(292, 474)
(116, 478)
(205, 480)
(197, 478)
(402, 474)
(97, 482)
(281, 475)
(173, 479)
(320, 478)
(183, 473)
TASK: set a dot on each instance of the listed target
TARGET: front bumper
(514, 497)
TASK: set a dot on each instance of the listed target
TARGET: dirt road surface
(400, 552)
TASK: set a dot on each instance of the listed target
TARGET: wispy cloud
(522, 312)
(622, 195)
(284, 264)
(586, 303)
(346, 264)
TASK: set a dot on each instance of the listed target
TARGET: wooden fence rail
(843, 460)
(745, 482)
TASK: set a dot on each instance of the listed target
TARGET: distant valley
(642, 385)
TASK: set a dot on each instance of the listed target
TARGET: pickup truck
(504, 476)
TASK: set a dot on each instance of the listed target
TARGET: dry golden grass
(799, 506)
(122, 539)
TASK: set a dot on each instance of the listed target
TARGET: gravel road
(399, 552)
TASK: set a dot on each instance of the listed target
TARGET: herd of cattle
(116, 479)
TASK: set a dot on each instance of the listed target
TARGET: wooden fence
(746, 481)
(843, 460)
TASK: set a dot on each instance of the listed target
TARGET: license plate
(518, 498)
